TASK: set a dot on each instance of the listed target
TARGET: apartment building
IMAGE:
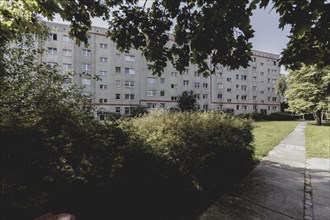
(124, 80)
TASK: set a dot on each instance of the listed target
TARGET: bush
(174, 155)
(276, 116)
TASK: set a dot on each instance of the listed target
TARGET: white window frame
(67, 52)
(86, 66)
(151, 93)
(86, 52)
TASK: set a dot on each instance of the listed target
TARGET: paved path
(276, 188)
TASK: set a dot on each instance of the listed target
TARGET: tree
(204, 32)
(280, 88)
(187, 101)
(309, 91)
(50, 142)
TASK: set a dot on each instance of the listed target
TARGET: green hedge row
(276, 116)
(160, 165)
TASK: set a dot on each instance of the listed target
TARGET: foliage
(202, 30)
(203, 147)
(317, 141)
(50, 142)
(309, 91)
(269, 134)
(187, 101)
(275, 116)
(281, 86)
(138, 111)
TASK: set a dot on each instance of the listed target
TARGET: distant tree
(309, 91)
(281, 85)
(187, 101)
(204, 32)
(138, 111)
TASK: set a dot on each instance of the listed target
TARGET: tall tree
(187, 101)
(309, 91)
(204, 31)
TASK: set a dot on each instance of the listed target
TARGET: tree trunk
(317, 117)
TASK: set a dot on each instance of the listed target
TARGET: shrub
(281, 116)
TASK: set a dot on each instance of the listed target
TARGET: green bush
(276, 116)
(207, 148)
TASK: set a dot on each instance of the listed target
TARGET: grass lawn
(270, 133)
(317, 141)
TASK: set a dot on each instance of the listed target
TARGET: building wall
(125, 80)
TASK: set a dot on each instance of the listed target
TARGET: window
(261, 64)
(254, 78)
(104, 46)
(243, 87)
(255, 98)
(244, 97)
(117, 96)
(268, 99)
(130, 71)
(151, 105)
(118, 69)
(205, 85)
(262, 92)
(129, 58)
(243, 77)
(220, 74)
(51, 51)
(269, 108)
(229, 90)
(274, 108)
(103, 73)
(205, 96)
(273, 80)
(52, 37)
(127, 110)
(254, 88)
(103, 100)
(129, 96)
(85, 66)
(162, 80)
(220, 85)
(228, 100)
(219, 96)
(67, 52)
(118, 110)
(237, 107)
(197, 85)
(67, 66)
(103, 86)
(86, 52)
(237, 86)
(185, 82)
(174, 98)
(268, 80)
(151, 80)
(237, 76)
(174, 73)
(262, 82)
(254, 69)
(274, 99)
(244, 107)
(261, 73)
(255, 108)
(274, 62)
(118, 83)
(103, 59)
(237, 97)
(196, 73)
(228, 79)
(196, 96)
(129, 83)
(66, 39)
(86, 81)
(220, 107)
(117, 57)
(205, 107)
(162, 93)
(173, 86)
(268, 89)
(254, 59)
(151, 92)
(198, 107)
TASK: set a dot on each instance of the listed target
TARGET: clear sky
(268, 37)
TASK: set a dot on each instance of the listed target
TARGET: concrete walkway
(278, 187)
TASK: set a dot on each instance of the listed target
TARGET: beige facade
(125, 80)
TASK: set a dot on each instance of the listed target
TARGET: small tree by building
(187, 101)
(308, 91)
